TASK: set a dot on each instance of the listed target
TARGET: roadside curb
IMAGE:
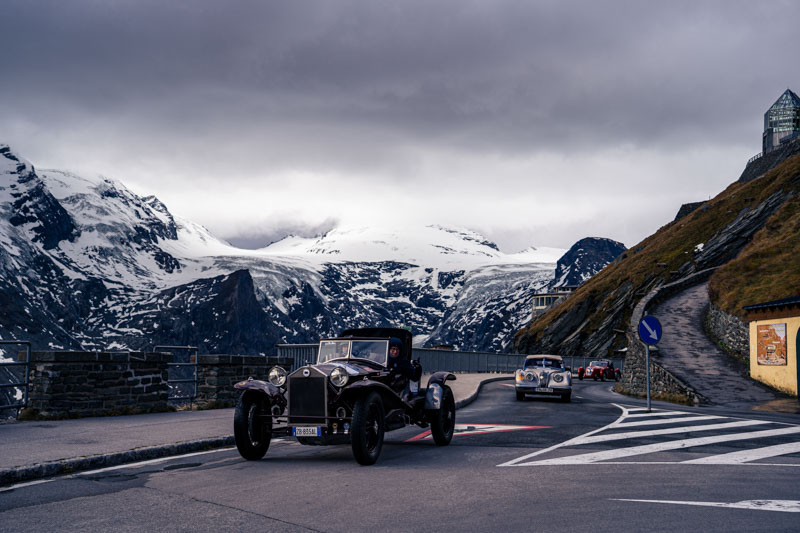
(471, 398)
(10, 476)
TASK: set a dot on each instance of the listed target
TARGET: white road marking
(668, 431)
(661, 421)
(783, 506)
(654, 413)
(610, 456)
(595, 457)
(745, 456)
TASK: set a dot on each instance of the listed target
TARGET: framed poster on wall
(772, 344)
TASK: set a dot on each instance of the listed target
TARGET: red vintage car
(601, 369)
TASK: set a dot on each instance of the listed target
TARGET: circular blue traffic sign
(649, 330)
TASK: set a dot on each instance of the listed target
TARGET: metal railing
(449, 360)
(16, 385)
(176, 378)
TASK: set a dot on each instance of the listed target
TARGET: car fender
(390, 398)
(275, 395)
(439, 378)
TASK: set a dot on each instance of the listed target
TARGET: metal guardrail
(175, 377)
(453, 361)
(17, 384)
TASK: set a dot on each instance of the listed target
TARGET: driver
(400, 367)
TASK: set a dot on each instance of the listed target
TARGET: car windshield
(598, 363)
(373, 350)
(542, 362)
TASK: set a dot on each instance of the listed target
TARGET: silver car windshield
(542, 363)
(375, 351)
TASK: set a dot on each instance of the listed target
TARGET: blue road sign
(649, 330)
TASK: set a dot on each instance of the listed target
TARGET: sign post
(650, 333)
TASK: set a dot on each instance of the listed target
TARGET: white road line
(745, 456)
(784, 506)
(659, 447)
(655, 413)
(669, 431)
(661, 421)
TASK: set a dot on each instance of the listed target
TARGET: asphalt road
(600, 463)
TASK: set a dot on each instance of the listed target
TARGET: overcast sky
(534, 123)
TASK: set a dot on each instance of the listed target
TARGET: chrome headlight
(558, 378)
(277, 376)
(530, 377)
(339, 377)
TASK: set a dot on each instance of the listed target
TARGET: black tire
(252, 426)
(443, 421)
(616, 376)
(520, 396)
(368, 428)
(594, 376)
(566, 397)
(602, 376)
(580, 376)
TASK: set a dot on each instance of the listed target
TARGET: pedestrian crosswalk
(642, 437)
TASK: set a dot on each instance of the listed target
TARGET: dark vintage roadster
(354, 393)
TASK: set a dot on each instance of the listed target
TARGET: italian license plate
(543, 389)
(306, 431)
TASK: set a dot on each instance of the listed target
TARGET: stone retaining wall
(730, 331)
(73, 384)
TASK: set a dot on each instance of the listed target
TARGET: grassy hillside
(767, 269)
(759, 274)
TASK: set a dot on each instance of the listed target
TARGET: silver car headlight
(558, 378)
(339, 377)
(277, 376)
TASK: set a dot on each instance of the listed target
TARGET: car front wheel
(368, 428)
(252, 426)
(443, 421)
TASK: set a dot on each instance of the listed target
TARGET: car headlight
(558, 378)
(277, 376)
(339, 377)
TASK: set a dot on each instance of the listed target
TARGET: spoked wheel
(252, 426)
(443, 421)
(368, 428)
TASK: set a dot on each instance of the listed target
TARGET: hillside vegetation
(758, 218)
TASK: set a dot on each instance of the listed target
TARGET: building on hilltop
(781, 122)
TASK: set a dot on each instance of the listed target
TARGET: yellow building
(774, 338)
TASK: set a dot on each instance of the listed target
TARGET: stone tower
(781, 121)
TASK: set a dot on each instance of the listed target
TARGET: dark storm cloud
(489, 75)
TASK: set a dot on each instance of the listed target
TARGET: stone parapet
(75, 384)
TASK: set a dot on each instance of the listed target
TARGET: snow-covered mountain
(87, 264)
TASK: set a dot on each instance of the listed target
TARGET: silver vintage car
(544, 374)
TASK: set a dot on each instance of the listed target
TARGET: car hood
(352, 368)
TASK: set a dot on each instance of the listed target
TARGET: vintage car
(352, 395)
(543, 374)
(601, 369)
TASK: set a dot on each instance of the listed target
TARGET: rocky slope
(593, 320)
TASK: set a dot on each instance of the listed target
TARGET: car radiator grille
(306, 400)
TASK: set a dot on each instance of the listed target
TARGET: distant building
(781, 121)
(544, 300)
